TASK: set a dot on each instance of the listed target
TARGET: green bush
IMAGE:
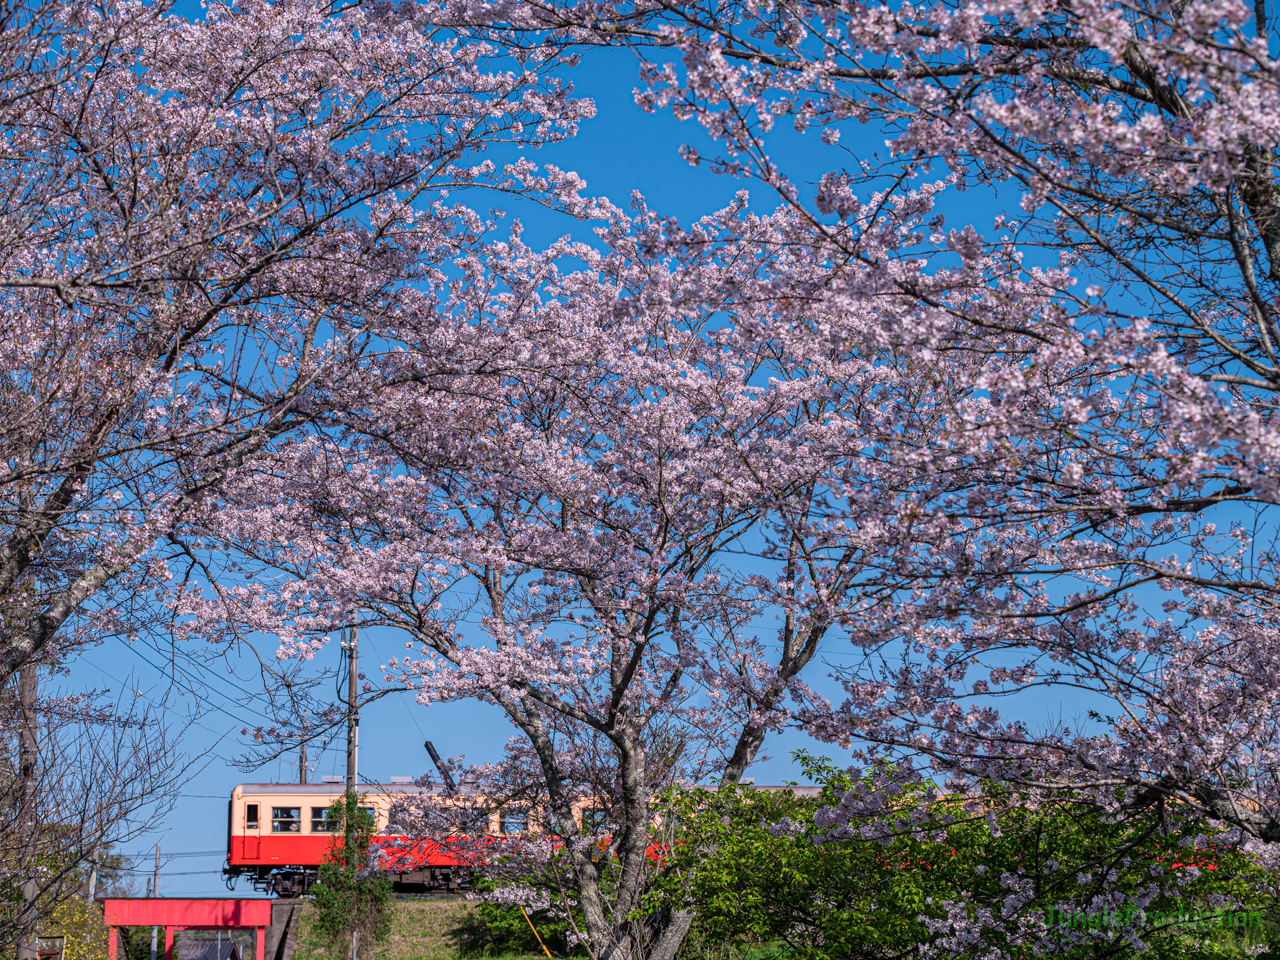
(351, 899)
(820, 895)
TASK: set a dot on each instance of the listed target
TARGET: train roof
(790, 788)
(336, 789)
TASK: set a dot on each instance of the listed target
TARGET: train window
(251, 816)
(322, 823)
(514, 821)
(286, 820)
(593, 819)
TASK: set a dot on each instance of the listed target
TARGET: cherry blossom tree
(201, 224)
(592, 529)
(1033, 451)
(1123, 304)
(1095, 515)
(198, 223)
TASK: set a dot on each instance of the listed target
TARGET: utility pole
(155, 892)
(92, 892)
(94, 852)
(444, 771)
(302, 761)
(353, 715)
(28, 816)
(349, 645)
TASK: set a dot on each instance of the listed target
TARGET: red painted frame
(205, 913)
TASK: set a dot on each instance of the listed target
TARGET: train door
(252, 831)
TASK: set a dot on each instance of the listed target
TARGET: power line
(405, 705)
(174, 678)
(191, 873)
(212, 674)
(149, 700)
(180, 873)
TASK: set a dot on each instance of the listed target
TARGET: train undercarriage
(295, 881)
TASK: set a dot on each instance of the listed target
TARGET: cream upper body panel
(275, 808)
(299, 809)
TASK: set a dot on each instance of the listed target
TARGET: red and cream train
(278, 834)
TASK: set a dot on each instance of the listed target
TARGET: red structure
(175, 914)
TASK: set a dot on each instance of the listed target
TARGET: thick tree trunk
(673, 933)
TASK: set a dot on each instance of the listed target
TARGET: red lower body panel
(401, 854)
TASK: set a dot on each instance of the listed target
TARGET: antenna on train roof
(435, 758)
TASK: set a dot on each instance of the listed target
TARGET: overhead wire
(342, 675)
(213, 675)
(193, 873)
(150, 700)
(187, 687)
(340, 679)
(173, 677)
(402, 703)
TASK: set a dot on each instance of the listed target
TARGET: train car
(278, 834)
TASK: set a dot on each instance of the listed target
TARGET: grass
(425, 929)
(446, 929)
